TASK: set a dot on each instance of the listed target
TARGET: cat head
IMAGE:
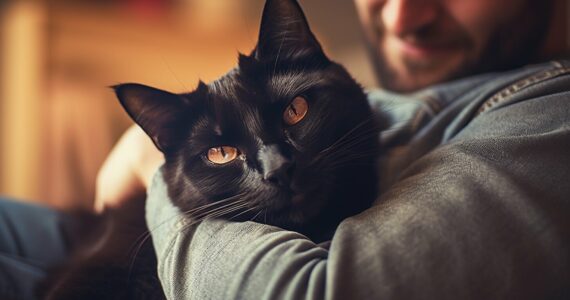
(286, 138)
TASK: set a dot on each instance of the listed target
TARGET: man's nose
(402, 17)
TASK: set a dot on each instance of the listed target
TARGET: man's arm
(127, 171)
(484, 216)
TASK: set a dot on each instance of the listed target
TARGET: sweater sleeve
(484, 216)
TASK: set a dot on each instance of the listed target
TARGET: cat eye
(295, 111)
(222, 155)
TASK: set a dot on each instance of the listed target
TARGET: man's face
(417, 43)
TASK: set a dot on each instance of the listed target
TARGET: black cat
(286, 138)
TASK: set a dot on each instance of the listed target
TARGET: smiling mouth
(421, 50)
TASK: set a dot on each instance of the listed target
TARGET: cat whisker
(224, 209)
(278, 53)
(221, 210)
(363, 160)
(137, 246)
(352, 144)
(228, 210)
(213, 215)
(245, 211)
(366, 132)
(143, 238)
(347, 136)
(349, 146)
(353, 129)
(211, 208)
(352, 158)
(256, 215)
(355, 148)
(218, 202)
(346, 164)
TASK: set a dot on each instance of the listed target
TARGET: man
(415, 44)
(475, 202)
(475, 199)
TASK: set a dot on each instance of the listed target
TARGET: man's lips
(422, 51)
(424, 48)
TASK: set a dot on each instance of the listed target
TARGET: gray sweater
(475, 205)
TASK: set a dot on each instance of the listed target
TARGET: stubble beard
(510, 47)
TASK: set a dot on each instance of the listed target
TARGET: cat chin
(293, 196)
(294, 210)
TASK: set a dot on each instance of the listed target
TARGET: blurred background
(59, 119)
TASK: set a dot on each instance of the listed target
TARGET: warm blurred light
(148, 8)
(22, 96)
(214, 15)
(58, 119)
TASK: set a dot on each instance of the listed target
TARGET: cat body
(286, 138)
(306, 175)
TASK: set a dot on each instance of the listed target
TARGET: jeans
(33, 239)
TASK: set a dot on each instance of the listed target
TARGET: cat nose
(276, 167)
(280, 175)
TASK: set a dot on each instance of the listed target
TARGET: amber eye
(295, 111)
(223, 154)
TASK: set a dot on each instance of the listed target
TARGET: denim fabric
(475, 205)
(32, 239)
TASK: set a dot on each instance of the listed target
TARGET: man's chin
(406, 82)
(411, 76)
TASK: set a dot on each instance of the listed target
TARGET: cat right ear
(159, 113)
(285, 33)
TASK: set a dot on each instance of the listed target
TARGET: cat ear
(157, 112)
(285, 32)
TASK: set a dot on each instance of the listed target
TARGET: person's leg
(33, 239)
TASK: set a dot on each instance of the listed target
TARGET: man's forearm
(483, 216)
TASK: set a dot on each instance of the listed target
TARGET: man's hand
(127, 171)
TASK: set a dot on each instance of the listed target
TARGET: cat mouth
(294, 197)
(297, 200)
(297, 203)
(286, 201)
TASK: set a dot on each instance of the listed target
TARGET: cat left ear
(159, 113)
(285, 33)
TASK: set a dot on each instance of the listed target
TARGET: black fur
(330, 152)
(326, 161)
